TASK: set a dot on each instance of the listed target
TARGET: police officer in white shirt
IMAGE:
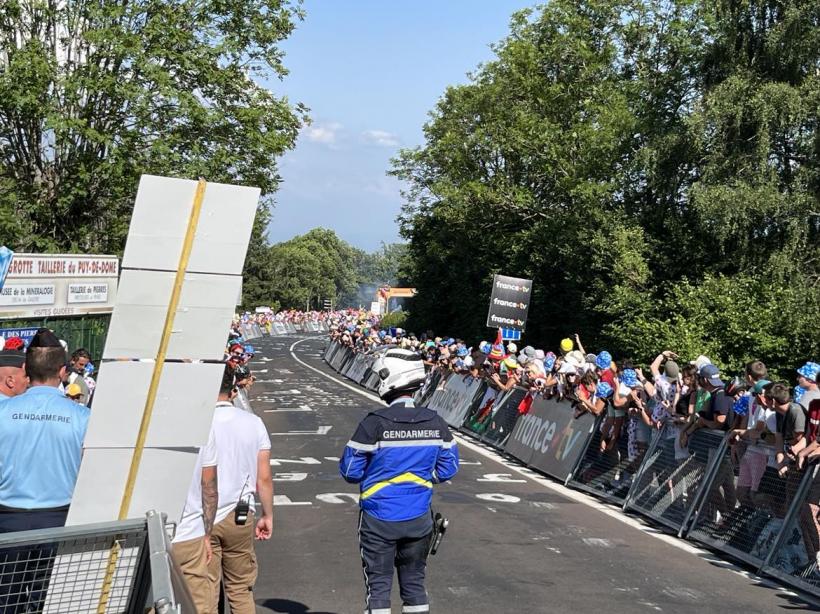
(243, 449)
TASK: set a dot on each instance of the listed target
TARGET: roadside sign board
(509, 302)
(51, 285)
(510, 334)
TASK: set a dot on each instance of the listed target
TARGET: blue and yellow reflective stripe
(404, 478)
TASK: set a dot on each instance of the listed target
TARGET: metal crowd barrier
(672, 479)
(481, 416)
(607, 473)
(741, 523)
(455, 397)
(108, 567)
(550, 438)
(427, 390)
(793, 557)
(502, 420)
(690, 490)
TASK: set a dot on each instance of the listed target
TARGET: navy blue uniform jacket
(396, 455)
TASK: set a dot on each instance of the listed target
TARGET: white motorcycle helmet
(399, 370)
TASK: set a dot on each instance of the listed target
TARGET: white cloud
(323, 133)
(381, 137)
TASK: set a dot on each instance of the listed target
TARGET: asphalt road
(515, 544)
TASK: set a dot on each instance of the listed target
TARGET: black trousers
(25, 571)
(384, 547)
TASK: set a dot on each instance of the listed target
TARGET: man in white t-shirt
(191, 543)
(243, 448)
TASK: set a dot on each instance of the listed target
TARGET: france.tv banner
(509, 303)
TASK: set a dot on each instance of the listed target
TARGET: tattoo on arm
(210, 498)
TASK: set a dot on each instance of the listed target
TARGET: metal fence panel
(332, 347)
(672, 479)
(339, 358)
(63, 570)
(371, 381)
(482, 412)
(739, 521)
(502, 421)
(453, 400)
(349, 362)
(550, 438)
(431, 383)
(608, 473)
(359, 366)
(794, 557)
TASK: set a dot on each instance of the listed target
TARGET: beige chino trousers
(234, 563)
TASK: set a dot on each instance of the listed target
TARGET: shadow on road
(289, 607)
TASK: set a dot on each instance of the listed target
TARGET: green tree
(94, 94)
(310, 268)
(257, 275)
(647, 163)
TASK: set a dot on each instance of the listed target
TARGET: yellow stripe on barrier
(404, 478)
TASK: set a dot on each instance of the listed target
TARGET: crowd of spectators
(266, 319)
(773, 424)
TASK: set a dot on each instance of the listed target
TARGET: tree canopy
(651, 164)
(308, 269)
(94, 94)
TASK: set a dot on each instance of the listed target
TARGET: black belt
(5, 509)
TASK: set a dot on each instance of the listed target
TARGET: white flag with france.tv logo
(5, 262)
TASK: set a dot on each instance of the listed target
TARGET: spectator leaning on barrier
(13, 379)
(41, 438)
(712, 405)
(790, 424)
(243, 448)
(807, 379)
(812, 449)
(759, 421)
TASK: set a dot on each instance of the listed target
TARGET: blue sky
(370, 71)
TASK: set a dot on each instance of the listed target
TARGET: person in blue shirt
(396, 455)
(41, 438)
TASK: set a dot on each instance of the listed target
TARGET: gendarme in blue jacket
(396, 455)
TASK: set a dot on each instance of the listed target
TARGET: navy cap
(12, 358)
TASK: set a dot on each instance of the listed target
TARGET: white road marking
(597, 542)
(499, 497)
(338, 497)
(588, 500)
(289, 477)
(322, 430)
(302, 460)
(282, 500)
(499, 477)
(292, 409)
(334, 459)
